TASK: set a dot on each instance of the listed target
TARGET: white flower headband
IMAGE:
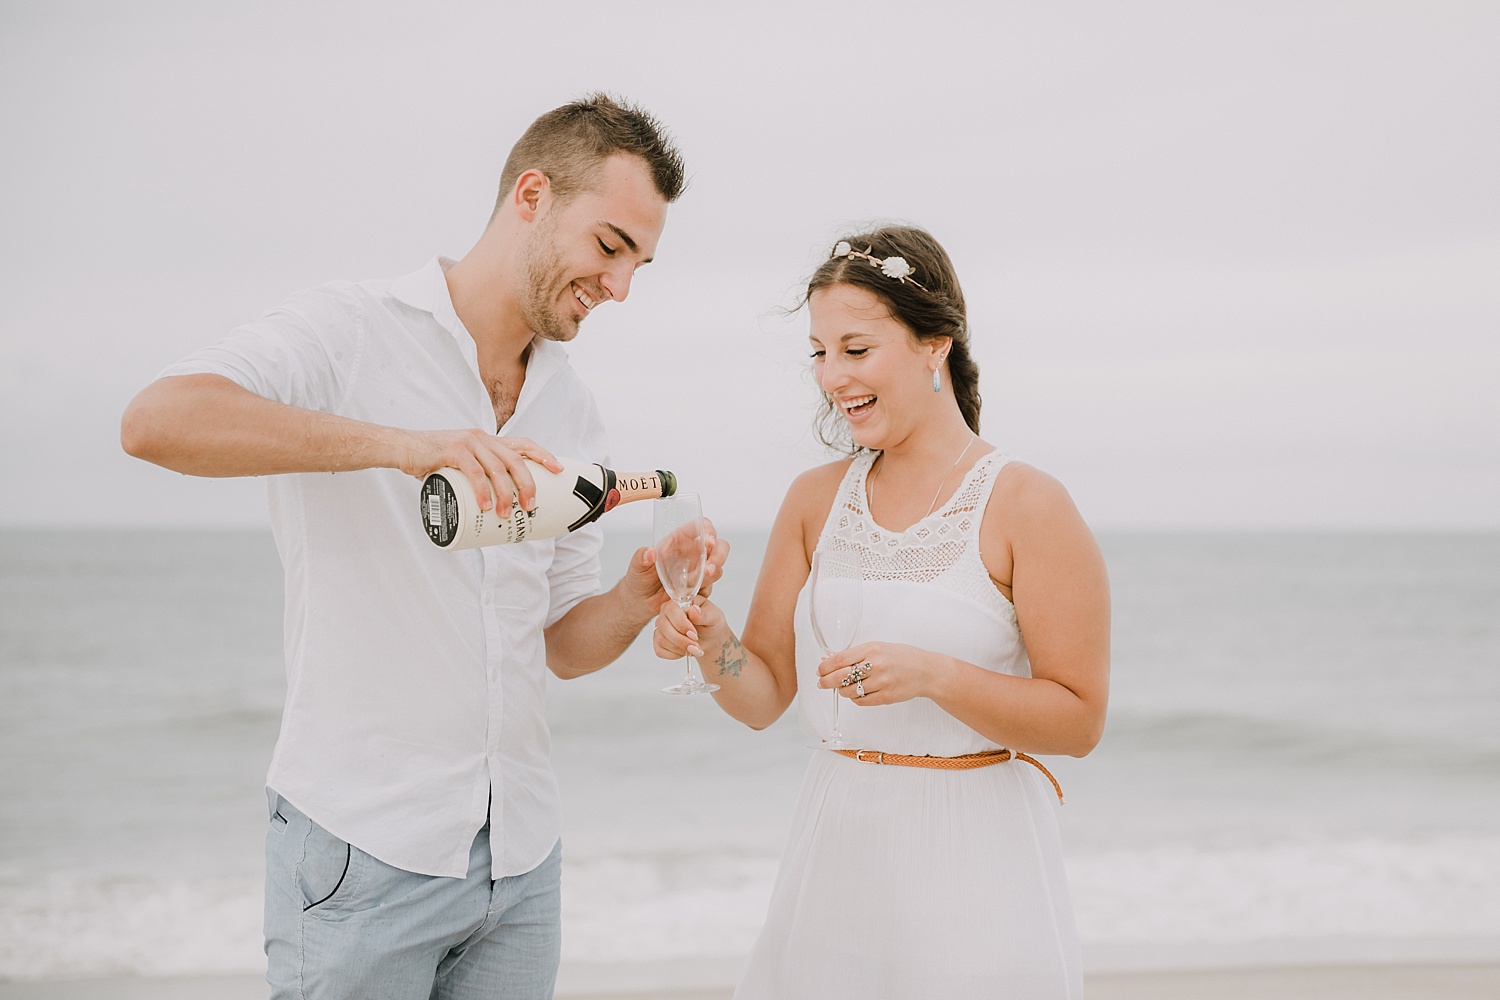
(891, 267)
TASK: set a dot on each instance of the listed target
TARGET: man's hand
(493, 465)
(645, 586)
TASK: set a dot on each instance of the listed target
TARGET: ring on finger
(859, 689)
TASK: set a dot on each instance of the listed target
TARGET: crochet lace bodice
(925, 587)
(941, 548)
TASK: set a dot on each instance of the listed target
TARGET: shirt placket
(494, 656)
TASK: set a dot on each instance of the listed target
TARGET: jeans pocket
(324, 868)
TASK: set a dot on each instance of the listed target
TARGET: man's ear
(531, 195)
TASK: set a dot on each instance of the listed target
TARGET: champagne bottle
(565, 501)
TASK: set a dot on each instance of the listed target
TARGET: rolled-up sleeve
(304, 353)
(574, 573)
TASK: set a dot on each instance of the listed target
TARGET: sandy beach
(1363, 982)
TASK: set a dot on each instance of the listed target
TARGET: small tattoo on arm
(731, 658)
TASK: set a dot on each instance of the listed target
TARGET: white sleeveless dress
(910, 882)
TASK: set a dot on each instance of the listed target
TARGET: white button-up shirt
(415, 676)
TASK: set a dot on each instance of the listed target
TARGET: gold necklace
(870, 486)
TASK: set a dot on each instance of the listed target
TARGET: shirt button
(488, 598)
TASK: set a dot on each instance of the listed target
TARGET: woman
(928, 864)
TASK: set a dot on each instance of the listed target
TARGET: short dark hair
(570, 143)
(930, 305)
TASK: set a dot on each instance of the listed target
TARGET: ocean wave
(1274, 742)
(73, 927)
(645, 907)
(1292, 890)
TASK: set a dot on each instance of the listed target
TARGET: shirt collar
(427, 289)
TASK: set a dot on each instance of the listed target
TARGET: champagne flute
(834, 604)
(681, 552)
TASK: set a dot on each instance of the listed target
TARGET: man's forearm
(595, 632)
(206, 425)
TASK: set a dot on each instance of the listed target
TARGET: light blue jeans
(340, 924)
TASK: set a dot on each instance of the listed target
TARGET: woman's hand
(882, 673)
(676, 631)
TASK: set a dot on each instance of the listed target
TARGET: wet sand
(1341, 982)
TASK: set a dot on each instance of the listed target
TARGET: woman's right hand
(677, 631)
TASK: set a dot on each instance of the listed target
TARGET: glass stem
(835, 736)
(688, 657)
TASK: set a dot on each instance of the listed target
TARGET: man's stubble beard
(540, 268)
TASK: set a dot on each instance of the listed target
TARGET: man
(413, 843)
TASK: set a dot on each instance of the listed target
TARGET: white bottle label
(565, 502)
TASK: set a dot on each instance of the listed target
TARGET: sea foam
(1397, 897)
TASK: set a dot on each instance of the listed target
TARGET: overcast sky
(1228, 265)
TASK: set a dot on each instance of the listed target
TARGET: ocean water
(1302, 763)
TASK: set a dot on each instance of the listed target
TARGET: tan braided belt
(967, 761)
